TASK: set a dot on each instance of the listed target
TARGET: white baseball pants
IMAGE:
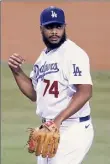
(75, 142)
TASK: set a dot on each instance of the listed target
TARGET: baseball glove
(44, 140)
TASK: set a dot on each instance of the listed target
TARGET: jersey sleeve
(33, 78)
(79, 69)
(33, 73)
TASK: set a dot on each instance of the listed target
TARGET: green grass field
(18, 113)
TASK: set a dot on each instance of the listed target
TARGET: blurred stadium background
(88, 24)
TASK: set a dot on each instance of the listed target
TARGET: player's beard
(53, 45)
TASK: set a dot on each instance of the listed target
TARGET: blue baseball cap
(51, 15)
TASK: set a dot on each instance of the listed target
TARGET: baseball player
(60, 84)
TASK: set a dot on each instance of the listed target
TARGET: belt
(86, 118)
(81, 119)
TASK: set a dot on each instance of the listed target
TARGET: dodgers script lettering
(45, 69)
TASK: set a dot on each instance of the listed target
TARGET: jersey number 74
(51, 89)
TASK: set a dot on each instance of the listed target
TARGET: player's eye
(48, 27)
(51, 26)
(59, 26)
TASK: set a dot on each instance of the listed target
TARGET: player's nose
(54, 30)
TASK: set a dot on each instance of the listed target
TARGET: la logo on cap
(54, 15)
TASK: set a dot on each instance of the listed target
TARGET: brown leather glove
(44, 140)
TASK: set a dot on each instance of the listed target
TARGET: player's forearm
(25, 85)
(77, 102)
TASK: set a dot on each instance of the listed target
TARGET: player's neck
(48, 50)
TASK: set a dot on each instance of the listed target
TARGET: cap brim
(51, 22)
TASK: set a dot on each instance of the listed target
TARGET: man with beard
(61, 85)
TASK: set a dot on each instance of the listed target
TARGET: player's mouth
(54, 38)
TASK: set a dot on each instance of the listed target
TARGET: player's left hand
(44, 140)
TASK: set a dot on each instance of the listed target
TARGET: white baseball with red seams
(54, 76)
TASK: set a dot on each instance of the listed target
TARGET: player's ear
(41, 28)
(64, 25)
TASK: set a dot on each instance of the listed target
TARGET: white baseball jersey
(54, 76)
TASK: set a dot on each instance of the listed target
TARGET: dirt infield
(88, 24)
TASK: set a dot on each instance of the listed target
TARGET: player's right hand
(15, 61)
